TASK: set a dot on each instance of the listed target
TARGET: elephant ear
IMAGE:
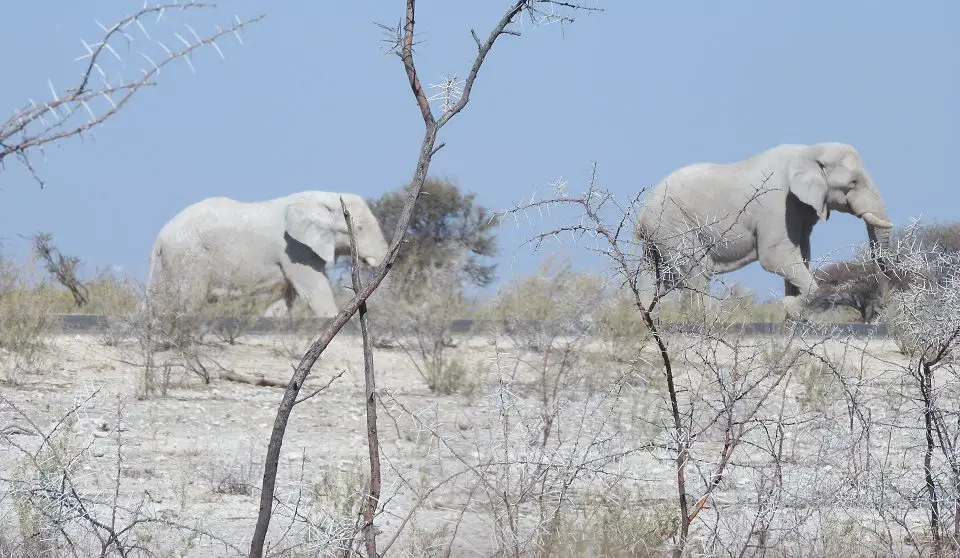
(313, 226)
(808, 182)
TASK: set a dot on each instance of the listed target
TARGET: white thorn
(182, 40)
(143, 29)
(54, 112)
(169, 53)
(103, 74)
(235, 33)
(189, 63)
(160, 15)
(109, 100)
(93, 118)
(110, 48)
(217, 48)
(105, 30)
(197, 37)
(52, 90)
(150, 60)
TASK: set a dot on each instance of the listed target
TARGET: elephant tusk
(875, 221)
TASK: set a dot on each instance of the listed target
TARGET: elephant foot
(276, 310)
(794, 306)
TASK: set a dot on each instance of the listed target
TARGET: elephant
(706, 219)
(278, 248)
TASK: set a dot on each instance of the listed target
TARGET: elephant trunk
(879, 244)
(869, 206)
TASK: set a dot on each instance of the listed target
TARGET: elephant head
(830, 176)
(316, 220)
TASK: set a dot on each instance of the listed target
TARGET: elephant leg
(313, 287)
(282, 307)
(788, 261)
(696, 286)
(789, 289)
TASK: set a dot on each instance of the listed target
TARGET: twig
(372, 499)
(431, 129)
(322, 388)
(51, 119)
(255, 380)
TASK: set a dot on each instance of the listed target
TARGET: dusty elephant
(278, 249)
(709, 218)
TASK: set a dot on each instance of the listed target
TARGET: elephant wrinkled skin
(709, 218)
(277, 248)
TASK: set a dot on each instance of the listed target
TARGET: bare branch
(427, 148)
(36, 125)
(370, 395)
(406, 54)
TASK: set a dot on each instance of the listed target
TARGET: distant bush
(941, 236)
(25, 318)
(851, 285)
(414, 309)
(534, 309)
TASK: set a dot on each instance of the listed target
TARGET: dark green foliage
(445, 221)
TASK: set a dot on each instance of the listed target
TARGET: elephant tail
(650, 253)
(154, 269)
(666, 274)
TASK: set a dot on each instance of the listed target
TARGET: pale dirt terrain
(181, 451)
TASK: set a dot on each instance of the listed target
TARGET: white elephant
(278, 248)
(692, 209)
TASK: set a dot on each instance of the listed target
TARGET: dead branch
(255, 380)
(41, 123)
(427, 149)
(62, 268)
(372, 499)
(322, 388)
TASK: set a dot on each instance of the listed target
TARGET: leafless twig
(73, 111)
(428, 148)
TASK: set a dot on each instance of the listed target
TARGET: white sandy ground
(179, 448)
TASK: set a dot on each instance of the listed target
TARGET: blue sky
(311, 102)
